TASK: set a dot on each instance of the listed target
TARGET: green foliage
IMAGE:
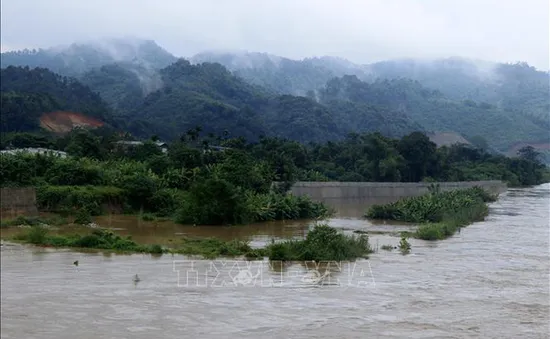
(440, 214)
(322, 243)
(273, 206)
(212, 248)
(70, 199)
(27, 93)
(37, 235)
(431, 207)
(98, 239)
(404, 246)
(205, 184)
(83, 217)
(212, 202)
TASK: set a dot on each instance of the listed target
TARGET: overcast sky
(360, 30)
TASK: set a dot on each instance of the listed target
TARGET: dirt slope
(63, 121)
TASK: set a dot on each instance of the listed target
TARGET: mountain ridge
(507, 103)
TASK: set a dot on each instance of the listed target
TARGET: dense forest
(28, 93)
(144, 90)
(207, 95)
(358, 157)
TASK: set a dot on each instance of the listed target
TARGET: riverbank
(439, 214)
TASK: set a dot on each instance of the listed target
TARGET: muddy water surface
(489, 281)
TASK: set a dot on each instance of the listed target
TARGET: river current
(489, 281)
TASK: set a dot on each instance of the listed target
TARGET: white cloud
(361, 30)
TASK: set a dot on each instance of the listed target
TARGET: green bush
(37, 235)
(322, 243)
(164, 202)
(213, 202)
(83, 217)
(212, 247)
(74, 198)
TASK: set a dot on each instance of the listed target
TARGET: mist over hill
(317, 98)
(78, 58)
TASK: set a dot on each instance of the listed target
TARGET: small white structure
(30, 150)
(126, 144)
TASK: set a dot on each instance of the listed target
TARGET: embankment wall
(16, 201)
(387, 191)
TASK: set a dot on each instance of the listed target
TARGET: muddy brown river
(489, 281)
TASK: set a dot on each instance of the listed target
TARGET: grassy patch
(212, 248)
(34, 221)
(98, 239)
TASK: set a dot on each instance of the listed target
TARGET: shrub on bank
(73, 198)
(217, 201)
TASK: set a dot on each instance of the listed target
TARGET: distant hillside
(27, 94)
(513, 87)
(78, 58)
(435, 112)
(122, 85)
(210, 96)
(511, 100)
(282, 75)
(516, 88)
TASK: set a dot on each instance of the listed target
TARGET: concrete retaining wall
(17, 201)
(387, 191)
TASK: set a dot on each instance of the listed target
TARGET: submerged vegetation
(322, 243)
(440, 214)
(404, 245)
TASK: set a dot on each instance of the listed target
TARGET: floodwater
(489, 281)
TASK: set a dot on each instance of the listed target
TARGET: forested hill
(512, 100)
(27, 95)
(282, 75)
(512, 87)
(314, 99)
(79, 58)
(205, 95)
(209, 95)
(436, 112)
